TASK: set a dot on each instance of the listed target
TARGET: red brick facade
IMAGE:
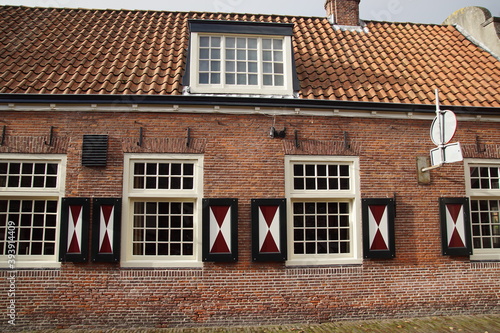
(241, 161)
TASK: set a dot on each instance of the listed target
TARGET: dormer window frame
(256, 41)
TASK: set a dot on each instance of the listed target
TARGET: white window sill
(320, 262)
(485, 257)
(30, 264)
(161, 264)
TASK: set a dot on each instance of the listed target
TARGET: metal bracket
(2, 140)
(347, 145)
(432, 167)
(480, 148)
(297, 143)
(188, 137)
(139, 143)
(51, 137)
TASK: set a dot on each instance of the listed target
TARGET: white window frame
(260, 89)
(481, 194)
(20, 193)
(131, 195)
(352, 196)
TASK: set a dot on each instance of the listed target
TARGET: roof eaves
(238, 101)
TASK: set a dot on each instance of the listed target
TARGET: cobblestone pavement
(462, 324)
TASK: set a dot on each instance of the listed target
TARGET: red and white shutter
(455, 226)
(378, 228)
(75, 215)
(220, 229)
(106, 230)
(269, 230)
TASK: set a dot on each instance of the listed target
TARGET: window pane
(230, 79)
(252, 55)
(215, 41)
(215, 78)
(241, 43)
(230, 54)
(230, 66)
(267, 56)
(279, 80)
(215, 66)
(252, 67)
(266, 44)
(204, 41)
(268, 80)
(204, 65)
(230, 42)
(241, 55)
(321, 231)
(203, 78)
(204, 53)
(241, 79)
(252, 79)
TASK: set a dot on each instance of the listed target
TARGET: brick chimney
(343, 12)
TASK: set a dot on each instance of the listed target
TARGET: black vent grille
(95, 150)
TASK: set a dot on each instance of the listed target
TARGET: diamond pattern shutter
(378, 228)
(269, 230)
(106, 229)
(220, 230)
(94, 150)
(73, 246)
(455, 226)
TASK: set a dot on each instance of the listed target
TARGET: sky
(417, 11)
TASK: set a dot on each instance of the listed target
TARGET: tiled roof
(79, 51)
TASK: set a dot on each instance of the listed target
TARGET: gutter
(238, 101)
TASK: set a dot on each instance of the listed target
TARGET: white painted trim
(354, 197)
(38, 261)
(217, 109)
(196, 88)
(129, 260)
(473, 194)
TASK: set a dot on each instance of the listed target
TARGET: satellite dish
(443, 128)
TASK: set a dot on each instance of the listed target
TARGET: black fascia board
(116, 100)
(241, 27)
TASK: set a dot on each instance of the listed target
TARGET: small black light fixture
(274, 133)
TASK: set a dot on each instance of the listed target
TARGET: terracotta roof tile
(77, 51)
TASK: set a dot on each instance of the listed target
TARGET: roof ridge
(161, 11)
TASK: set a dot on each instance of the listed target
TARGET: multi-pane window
(35, 221)
(240, 58)
(31, 189)
(321, 177)
(230, 60)
(323, 207)
(483, 188)
(163, 228)
(485, 177)
(321, 227)
(162, 195)
(485, 224)
(174, 176)
(14, 174)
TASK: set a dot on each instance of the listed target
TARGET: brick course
(242, 161)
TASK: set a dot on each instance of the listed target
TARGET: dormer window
(241, 58)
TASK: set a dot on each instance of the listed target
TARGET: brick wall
(242, 161)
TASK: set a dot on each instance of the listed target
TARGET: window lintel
(241, 27)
